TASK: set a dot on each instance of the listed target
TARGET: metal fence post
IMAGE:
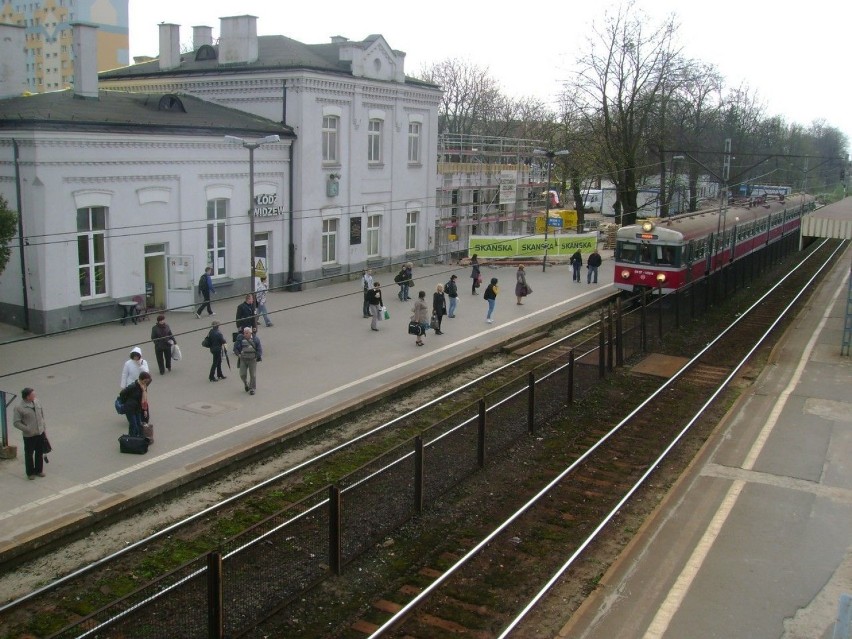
(215, 597)
(531, 402)
(619, 334)
(571, 376)
(335, 524)
(643, 323)
(418, 474)
(480, 440)
(602, 346)
(609, 340)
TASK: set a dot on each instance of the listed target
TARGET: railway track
(616, 468)
(496, 586)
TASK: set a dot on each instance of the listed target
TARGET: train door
(711, 245)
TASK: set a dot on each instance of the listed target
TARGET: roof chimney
(238, 39)
(13, 78)
(169, 46)
(201, 35)
(338, 39)
(85, 46)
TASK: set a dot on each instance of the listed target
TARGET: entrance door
(261, 254)
(155, 276)
(180, 293)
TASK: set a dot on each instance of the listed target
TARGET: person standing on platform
(439, 307)
(521, 288)
(374, 304)
(260, 291)
(29, 419)
(205, 287)
(593, 263)
(217, 344)
(576, 263)
(133, 367)
(405, 280)
(452, 291)
(249, 351)
(163, 340)
(490, 296)
(135, 400)
(475, 274)
(245, 315)
(421, 316)
(367, 282)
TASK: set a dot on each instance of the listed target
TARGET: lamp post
(723, 199)
(251, 146)
(549, 155)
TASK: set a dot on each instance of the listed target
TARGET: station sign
(266, 205)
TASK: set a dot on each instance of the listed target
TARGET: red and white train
(668, 253)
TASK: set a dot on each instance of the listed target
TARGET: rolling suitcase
(148, 432)
(133, 445)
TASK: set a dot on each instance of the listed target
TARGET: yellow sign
(558, 246)
(259, 269)
(568, 217)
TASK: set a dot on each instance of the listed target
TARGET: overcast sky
(792, 56)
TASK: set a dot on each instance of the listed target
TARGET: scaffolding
(486, 186)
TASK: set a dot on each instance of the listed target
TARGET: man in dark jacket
(245, 314)
(205, 287)
(593, 263)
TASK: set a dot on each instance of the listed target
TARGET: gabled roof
(132, 113)
(275, 52)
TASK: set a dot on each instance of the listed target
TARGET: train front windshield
(649, 254)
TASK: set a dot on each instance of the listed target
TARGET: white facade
(110, 216)
(364, 162)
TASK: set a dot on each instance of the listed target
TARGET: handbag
(415, 329)
(119, 405)
(433, 324)
(45, 445)
(176, 352)
(206, 342)
(527, 289)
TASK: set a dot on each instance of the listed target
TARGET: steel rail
(406, 610)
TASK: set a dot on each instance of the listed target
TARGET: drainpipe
(21, 234)
(291, 247)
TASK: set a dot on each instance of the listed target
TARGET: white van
(593, 200)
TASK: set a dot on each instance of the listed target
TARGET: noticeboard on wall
(354, 230)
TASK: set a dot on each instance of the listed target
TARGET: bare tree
(469, 94)
(616, 90)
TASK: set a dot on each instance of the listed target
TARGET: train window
(700, 250)
(645, 254)
(665, 255)
(627, 252)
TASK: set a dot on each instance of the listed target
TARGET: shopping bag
(176, 352)
(386, 312)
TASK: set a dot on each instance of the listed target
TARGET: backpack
(400, 277)
(247, 350)
(202, 283)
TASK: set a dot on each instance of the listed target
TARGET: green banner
(502, 246)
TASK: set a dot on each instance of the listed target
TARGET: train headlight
(647, 226)
(661, 277)
(625, 274)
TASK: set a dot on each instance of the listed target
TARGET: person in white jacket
(132, 367)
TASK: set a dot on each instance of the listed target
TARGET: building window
(330, 128)
(414, 142)
(329, 241)
(217, 214)
(411, 230)
(374, 142)
(374, 227)
(91, 253)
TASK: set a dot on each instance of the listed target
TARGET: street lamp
(723, 199)
(251, 146)
(549, 155)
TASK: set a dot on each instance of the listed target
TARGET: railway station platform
(754, 540)
(319, 359)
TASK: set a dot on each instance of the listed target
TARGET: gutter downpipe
(19, 204)
(291, 246)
